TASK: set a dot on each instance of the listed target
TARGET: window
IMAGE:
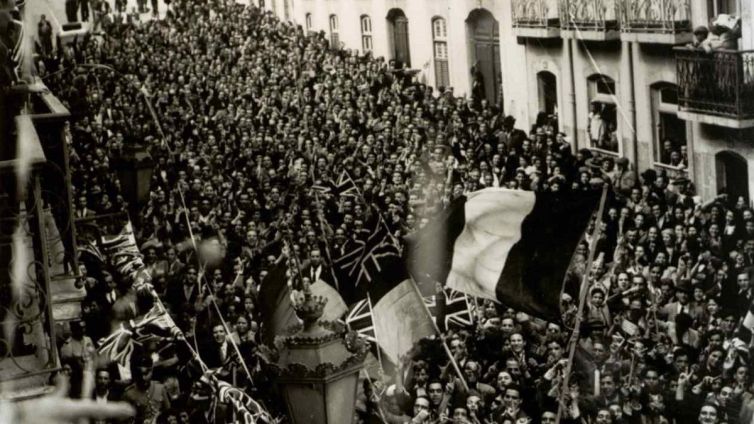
(261, 4)
(440, 46)
(334, 37)
(287, 10)
(716, 7)
(308, 22)
(274, 5)
(366, 33)
(602, 124)
(669, 131)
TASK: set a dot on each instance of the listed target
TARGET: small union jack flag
(456, 313)
(374, 266)
(359, 319)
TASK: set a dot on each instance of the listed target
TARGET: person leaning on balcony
(725, 31)
(700, 34)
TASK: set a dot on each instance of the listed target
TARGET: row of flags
(122, 253)
(513, 247)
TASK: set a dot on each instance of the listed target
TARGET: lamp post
(319, 367)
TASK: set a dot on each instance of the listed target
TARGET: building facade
(623, 60)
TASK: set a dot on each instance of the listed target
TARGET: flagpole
(440, 335)
(379, 355)
(327, 245)
(584, 289)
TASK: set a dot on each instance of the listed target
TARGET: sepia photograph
(376, 211)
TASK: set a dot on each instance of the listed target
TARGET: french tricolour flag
(507, 245)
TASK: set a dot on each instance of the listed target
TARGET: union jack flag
(374, 266)
(344, 186)
(359, 319)
(457, 309)
(456, 313)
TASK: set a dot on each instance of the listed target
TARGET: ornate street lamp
(319, 367)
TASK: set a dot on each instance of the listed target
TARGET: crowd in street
(247, 118)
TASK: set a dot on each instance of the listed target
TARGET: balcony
(657, 21)
(536, 18)
(716, 88)
(591, 20)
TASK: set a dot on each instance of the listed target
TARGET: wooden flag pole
(582, 302)
(439, 334)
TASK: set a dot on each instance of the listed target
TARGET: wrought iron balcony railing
(589, 15)
(535, 14)
(659, 16)
(719, 83)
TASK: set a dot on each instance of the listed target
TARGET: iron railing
(658, 16)
(718, 83)
(589, 15)
(28, 350)
(535, 13)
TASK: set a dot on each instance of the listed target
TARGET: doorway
(548, 92)
(398, 37)
(732, 175)
(484, 39)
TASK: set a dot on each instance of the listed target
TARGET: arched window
(440, 51)
(669, 130)
(602, 124)
(308, 22)
(397, 25)
(334, 37)
(366, 33)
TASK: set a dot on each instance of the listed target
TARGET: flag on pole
(451, 308)
(344, 186)
(374, 266)
(506, 245)
(359, 319)
(400, 320)
(454, 312)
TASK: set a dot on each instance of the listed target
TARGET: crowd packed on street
(248, 118)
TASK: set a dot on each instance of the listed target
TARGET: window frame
(594, 95)
(440, 62)
(659, 107)
(334, 31)
(365, 23)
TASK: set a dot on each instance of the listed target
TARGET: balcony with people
(536, 18)
(657, 22)
(715, 79)
(591, 20)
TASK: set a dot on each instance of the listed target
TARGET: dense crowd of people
(252, 122)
